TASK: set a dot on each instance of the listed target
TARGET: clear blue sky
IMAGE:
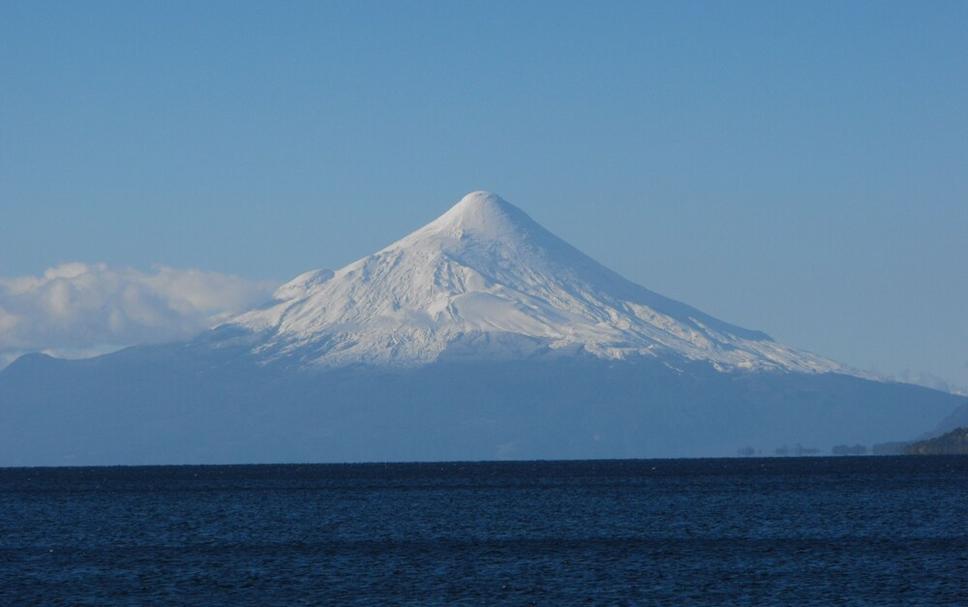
(800, 168)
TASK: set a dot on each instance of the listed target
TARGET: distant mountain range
(479, 336)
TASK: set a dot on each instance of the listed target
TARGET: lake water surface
(791, 531)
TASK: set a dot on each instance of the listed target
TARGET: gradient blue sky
(800, 168)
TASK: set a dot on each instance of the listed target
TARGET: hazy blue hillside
(178, 404)
(957, 419)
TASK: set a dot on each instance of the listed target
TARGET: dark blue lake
(795, 531)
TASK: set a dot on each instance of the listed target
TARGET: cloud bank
(80, 309)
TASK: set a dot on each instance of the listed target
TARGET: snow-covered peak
(482, 214)
(479, 218)
(484, 280)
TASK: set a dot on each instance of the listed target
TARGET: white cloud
(78, 309)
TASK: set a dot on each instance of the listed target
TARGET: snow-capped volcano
(556, 356)
(484, 280)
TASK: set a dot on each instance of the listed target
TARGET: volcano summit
(479, 336)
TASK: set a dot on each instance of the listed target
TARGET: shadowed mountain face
(479, 336)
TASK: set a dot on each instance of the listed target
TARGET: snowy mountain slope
(485, 281)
